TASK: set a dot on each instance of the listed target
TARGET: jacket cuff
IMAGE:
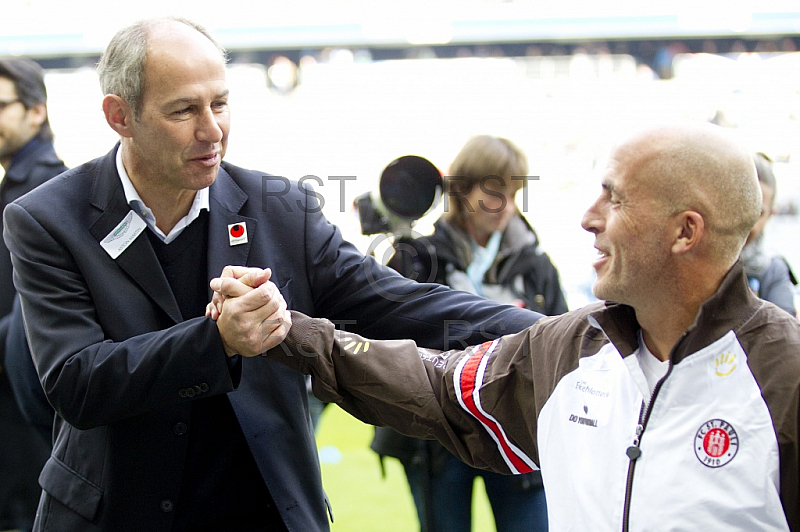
(308, 339)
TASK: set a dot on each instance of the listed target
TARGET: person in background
(28, 160)
(770, 276)
(169, 421)
(483, 245)
(671, 404)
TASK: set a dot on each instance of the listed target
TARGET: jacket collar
(226, 207)
(139, 260)
(454, 245)
(35, 152)
(729, 308)
(518, 235)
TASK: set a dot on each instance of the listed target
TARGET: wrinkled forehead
(634, 172)
(626, 160)
(180, 57)
(174, 41)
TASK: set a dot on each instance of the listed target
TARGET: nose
(499, 202)
(593, 220)
(209, 126)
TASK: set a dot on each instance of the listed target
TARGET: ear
(118, 115)
(690, 228)
(37, 114)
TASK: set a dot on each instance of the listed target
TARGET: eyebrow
(612, 190)
(188, 100)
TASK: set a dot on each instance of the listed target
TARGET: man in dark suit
(28, 159)
(167, 419)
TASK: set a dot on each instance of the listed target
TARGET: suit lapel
(138, 260)
(226, 202)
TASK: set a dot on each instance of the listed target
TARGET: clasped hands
(249, 309)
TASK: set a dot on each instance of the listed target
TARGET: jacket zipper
(634, 451)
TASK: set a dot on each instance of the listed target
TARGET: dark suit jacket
(121, 366)
(35, 166)
(22, 451)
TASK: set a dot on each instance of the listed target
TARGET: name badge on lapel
(123, 235)
(237, 233)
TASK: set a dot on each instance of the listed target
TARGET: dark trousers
(517, 506)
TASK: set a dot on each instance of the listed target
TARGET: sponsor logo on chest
(590, 393)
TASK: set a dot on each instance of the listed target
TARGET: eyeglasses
(4, 104)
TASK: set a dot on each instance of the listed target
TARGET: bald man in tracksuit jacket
(714, 448)
(676, 407)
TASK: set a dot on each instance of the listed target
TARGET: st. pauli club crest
(716, 443)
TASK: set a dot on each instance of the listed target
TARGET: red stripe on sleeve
(467, 389)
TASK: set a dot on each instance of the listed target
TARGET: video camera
(409, 187)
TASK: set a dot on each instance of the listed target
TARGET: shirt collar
(200, 203)
(729, 308)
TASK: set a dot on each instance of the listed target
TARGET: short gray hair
(121, 67)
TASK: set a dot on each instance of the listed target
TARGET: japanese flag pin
(237, 233)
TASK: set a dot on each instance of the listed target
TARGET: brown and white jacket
(714, 447)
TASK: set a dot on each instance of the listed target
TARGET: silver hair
(121, 67)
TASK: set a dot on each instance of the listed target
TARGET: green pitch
(363, 501)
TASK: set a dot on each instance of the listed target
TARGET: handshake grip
(249, 309)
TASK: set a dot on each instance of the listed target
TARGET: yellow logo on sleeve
(355, 343)
(725, 364)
